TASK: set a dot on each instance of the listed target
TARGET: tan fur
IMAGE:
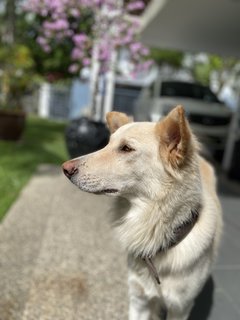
(116, 119)
(174, 133)
(158, 177)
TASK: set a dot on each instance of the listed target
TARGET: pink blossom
(104, 52)
(135, 47)
(136, 5)
(144, 51)
(46, 48)
(144, 66)
(44, 12)
(125, 40)
(57, 25)
(55, 5)
(88, 3)
(74, 12)
(61, 20)
(122, 26)
(135, 24)
(47, 33)
(42, 41)
(69, 33)
(86, 61)
(77, 54)
(73, 68)
(134, 74)
(131, 31)
(62, 24)
(59, 36)
(55, 16)
(98, 2)
(147, 64)
(79, 39)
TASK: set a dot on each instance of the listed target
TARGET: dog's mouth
(106, 191)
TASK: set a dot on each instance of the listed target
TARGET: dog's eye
(126, 148)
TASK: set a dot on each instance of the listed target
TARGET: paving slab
(59, 259)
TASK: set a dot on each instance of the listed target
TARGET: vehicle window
(176, 89)
(187, 90)
(208, 95)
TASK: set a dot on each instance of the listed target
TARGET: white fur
(157, 198)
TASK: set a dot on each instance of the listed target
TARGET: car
(210, 118)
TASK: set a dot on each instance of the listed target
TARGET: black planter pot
(84, 136)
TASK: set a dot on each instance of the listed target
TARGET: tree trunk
(9, 36)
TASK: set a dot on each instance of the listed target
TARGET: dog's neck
(179, 234)
(149, 225)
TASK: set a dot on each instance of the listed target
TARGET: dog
(170, 219)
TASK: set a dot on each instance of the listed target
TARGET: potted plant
(15, 77)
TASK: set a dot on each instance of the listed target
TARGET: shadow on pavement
(204, 302)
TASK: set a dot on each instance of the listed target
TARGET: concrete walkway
(59, 259)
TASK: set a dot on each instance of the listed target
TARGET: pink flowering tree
(110, 27)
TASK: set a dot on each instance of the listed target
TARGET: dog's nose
(69, 168)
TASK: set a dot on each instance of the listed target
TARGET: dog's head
(139, 158)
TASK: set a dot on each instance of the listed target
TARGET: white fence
(54, 101)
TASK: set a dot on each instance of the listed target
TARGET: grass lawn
(43, 142)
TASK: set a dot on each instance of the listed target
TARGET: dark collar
(180, 232)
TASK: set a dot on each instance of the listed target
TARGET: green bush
(16, 75)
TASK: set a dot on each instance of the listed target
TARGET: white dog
(171, 222)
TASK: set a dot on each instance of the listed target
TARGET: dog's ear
(116, 119)
(174, 134)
